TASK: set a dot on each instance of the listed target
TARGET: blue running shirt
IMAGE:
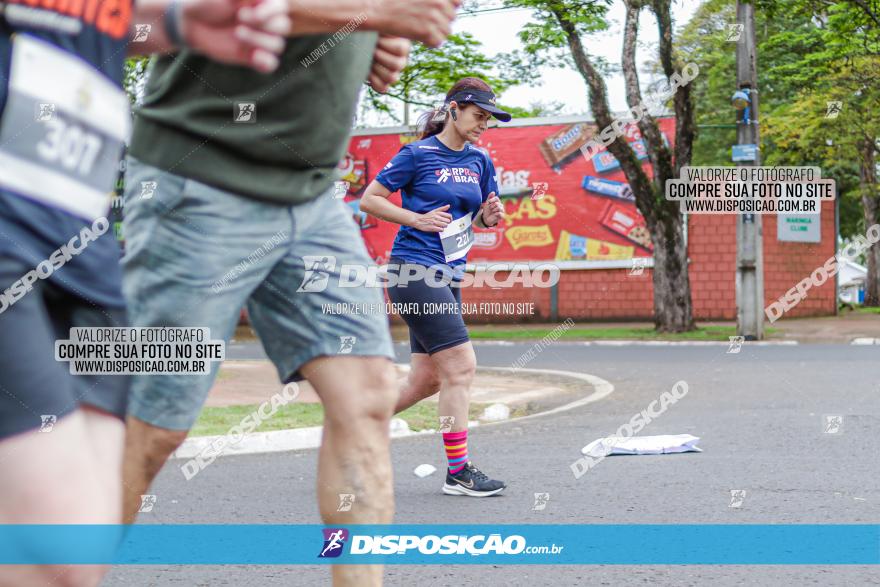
(430, 175)
(96, 33)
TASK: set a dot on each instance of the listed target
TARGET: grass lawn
(872, 310)
(722, 333)
(215, 421)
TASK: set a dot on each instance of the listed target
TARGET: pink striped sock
(456, 450)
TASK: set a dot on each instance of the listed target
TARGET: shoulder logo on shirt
(110, 17)
(458, 175)
(429, 147)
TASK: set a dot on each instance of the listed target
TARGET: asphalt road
(759, 415)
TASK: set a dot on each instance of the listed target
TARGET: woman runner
(447, 186)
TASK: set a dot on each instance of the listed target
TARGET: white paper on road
(424, 470)
(642, 445)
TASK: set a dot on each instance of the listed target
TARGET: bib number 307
(70, 146)
(62, 130)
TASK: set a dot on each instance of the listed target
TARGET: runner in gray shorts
(236, 207)
(191, 261)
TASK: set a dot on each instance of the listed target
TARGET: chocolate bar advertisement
(559, 205)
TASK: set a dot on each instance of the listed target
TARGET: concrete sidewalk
(538, 391)
(843, 328)
(253, 382)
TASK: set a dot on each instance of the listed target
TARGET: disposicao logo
(472, 545)
(432, 544)
(334, 542)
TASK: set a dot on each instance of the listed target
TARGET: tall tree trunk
(673, 308)
(871, 207)
(674, 301)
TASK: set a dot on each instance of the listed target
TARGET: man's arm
(210, 27)
(426, 21)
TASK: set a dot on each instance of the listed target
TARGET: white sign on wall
(797, 228)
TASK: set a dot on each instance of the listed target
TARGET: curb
(305, 438)
(601, 390)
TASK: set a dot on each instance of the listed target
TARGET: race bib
(457, 238)
(62, 131)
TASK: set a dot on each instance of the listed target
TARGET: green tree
(536, 109)
(704, 40)
(810, 53)
(431, 72)
(556, 35)
(839, 66)
(134, 78)
(845, 146)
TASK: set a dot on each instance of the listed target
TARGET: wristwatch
(483, 220)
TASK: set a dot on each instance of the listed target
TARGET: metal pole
(749, 233)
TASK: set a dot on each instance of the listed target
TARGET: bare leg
(422, 382)
(106, 436)
(146, 450)
(358, 394)
(456, 367)
(69, 475)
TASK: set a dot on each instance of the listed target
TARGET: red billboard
(559, 206)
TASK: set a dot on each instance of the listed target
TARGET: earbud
(453, 113)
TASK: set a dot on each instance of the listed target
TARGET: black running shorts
(35, 389)
(433, 314)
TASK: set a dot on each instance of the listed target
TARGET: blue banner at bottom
(626, 544)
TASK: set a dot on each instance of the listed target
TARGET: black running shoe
(471, 481)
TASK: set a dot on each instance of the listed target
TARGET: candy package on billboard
(609, 188)
(627, 222)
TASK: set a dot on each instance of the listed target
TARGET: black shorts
(34, 387)
(433, 314)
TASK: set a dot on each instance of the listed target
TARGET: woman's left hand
(492, 210)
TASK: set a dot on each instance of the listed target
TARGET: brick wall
(614, 294)
(791, 262)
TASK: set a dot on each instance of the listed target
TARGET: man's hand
(389, 60)
(212, 28)
(426, 21)
(492, 210)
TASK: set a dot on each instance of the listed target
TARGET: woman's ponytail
(431, 123)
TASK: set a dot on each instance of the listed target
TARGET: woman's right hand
(434, 221)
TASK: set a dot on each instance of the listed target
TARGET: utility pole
(749, 233)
